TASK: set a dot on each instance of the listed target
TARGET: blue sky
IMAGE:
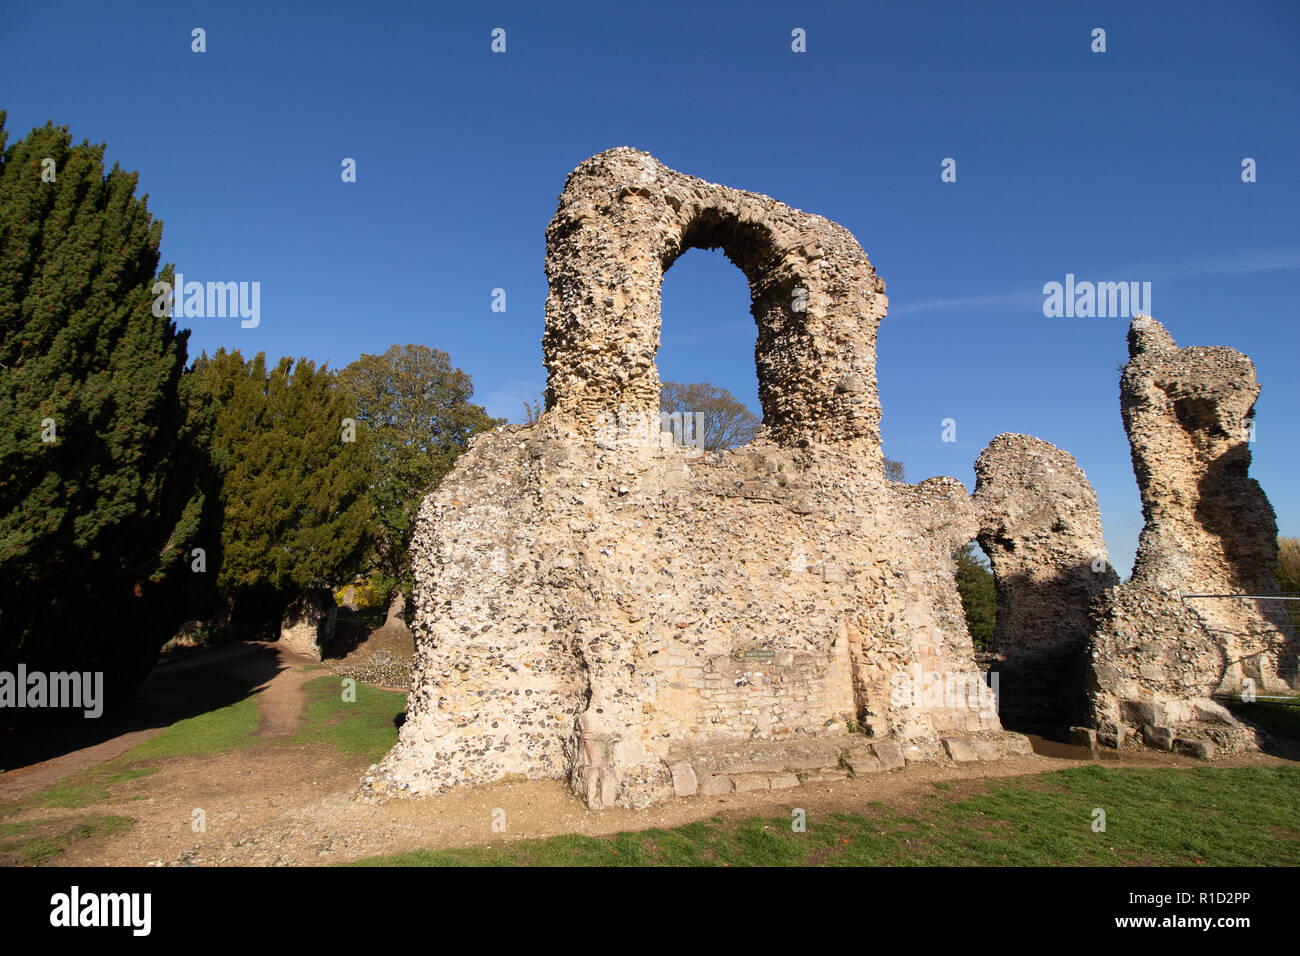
(1115, 166)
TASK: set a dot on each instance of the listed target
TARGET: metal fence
(1289, 628)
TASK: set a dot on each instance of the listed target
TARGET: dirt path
(280, 701)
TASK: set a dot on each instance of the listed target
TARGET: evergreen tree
(418, 413)
(297, 512)
(979, 597)
(97, 493)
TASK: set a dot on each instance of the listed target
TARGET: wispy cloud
(1005, 300)
(1245, 262)
(1230, 263)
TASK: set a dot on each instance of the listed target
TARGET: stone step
(712, 770)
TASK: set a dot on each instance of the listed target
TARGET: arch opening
(708, 378)
(776, 299)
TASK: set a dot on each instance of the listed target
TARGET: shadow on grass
(1279, 721)
(172, 692)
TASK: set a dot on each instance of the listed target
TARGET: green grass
(1154, 817)
(87, 787)
(366, 727)
(52, 837)
(1281, 720)
(229, 724)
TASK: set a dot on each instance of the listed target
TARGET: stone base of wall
(1197, 728)
(740, 767)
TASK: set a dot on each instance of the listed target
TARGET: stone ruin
(308, 623)
(600, 602)
(1175, 633)
(1041, 529)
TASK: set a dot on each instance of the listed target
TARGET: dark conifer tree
(979, 597)
(295, 478)
(97, 492)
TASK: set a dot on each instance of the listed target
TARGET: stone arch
(622, 221)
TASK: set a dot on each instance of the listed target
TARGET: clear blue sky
(1123, 165)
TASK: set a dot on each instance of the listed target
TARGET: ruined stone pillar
(1158, 652)
(1041, 529)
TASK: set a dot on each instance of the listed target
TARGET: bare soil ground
(284, 804)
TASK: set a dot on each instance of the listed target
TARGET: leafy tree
(417, 410)
(1288, 564)
(297, 511)
(1288, 575)
(97, 496)
(727, 422)
(978, 596)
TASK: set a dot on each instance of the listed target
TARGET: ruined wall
(605, 615)
(643, 619)
(1041, 529)
(1157, 653)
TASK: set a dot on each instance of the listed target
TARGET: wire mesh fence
(1287, 662)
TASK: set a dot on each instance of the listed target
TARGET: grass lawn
(1158, 817)
(365, 727)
